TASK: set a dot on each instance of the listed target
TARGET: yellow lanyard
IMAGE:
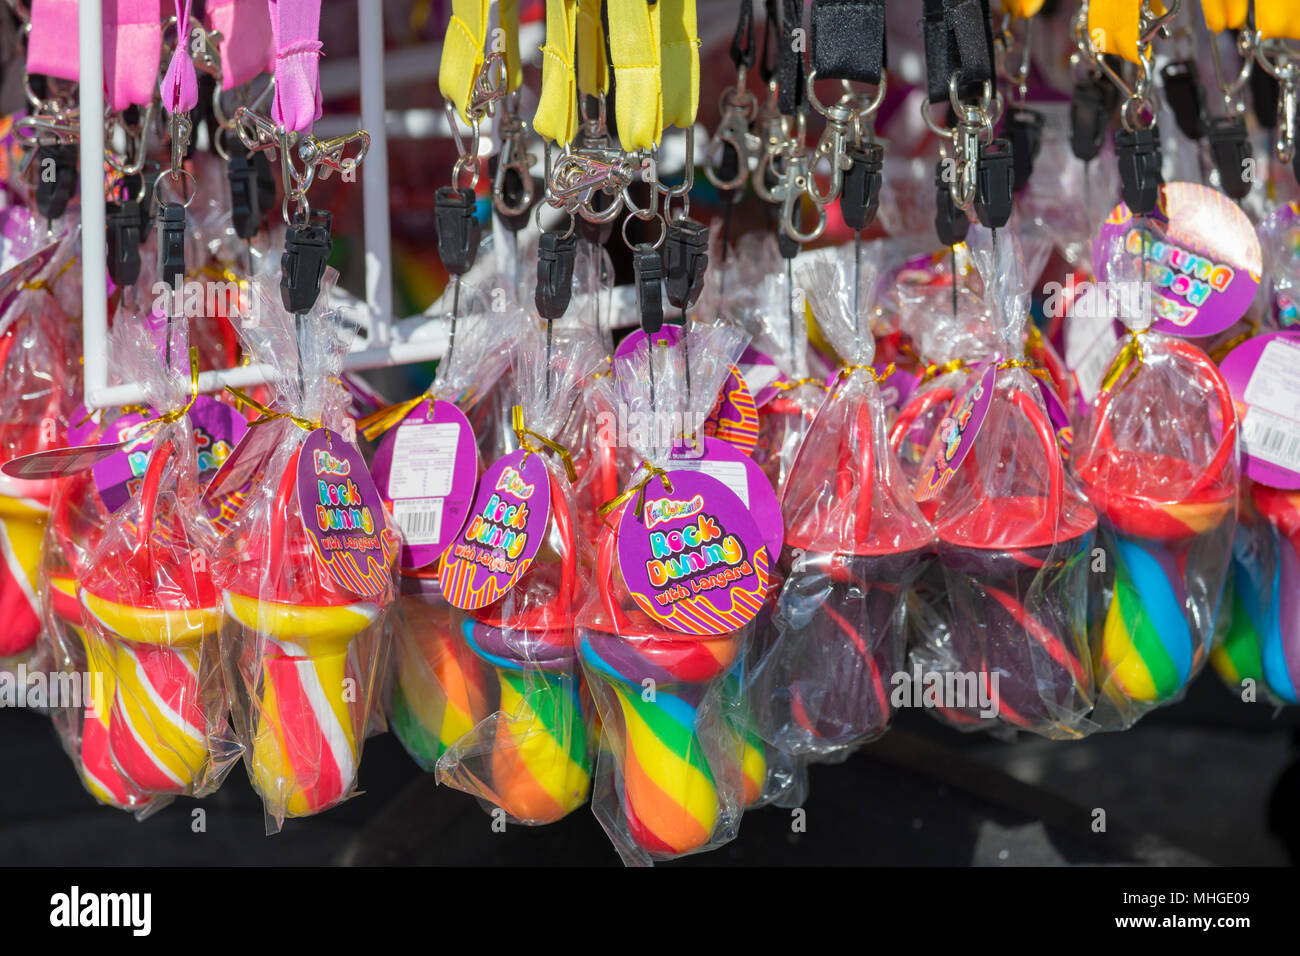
(557, 104)
(465, 46)
(1277, 19)
(1223, 15)
(1114, 25)
(634, 53)
(593, 60)
(1023, 9)
(680, 55)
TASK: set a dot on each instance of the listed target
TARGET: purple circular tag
(118, 477)
(738, 472)
(694, 560)
(81, 425)
(425, 470)
(1202, 255)
(511, 513)
(218, 427)
(956, 433)
(342, 513)
(1264, 376)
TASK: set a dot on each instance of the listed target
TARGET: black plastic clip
(786, 246)
(860, 196)
(1186, 97)
(1265, 94)
(950, 222)
(56, 178)
(1233, 156)
(995, 183)
(171, 245)
(649, 287)
(458, 228)
(265, 182)
(307, 246)
(1139, 168)
(246, 215)
(1092, 105)
(1025, 130)
(123, 235)
(140, 188)
(685, 258)
(556, 255)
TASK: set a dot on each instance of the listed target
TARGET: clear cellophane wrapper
(491, 399)
(156, 724)
(601, 461)
(1015, 537)
(436, 691)
(531, 748)
(40, 380)
(950, 340)
(780, 331)
(821, 674)
(77, 524)
(303, 654)
(1279, 239)
(732, 282)
(1167, 497)
(679, 757)
(1257, 645)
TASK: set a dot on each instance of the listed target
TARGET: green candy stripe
(555, 707)
(1241, 643)
(1146, 640)
(424, 747)
(677, 737)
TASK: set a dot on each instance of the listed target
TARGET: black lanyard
(848, 40)
(958, 41)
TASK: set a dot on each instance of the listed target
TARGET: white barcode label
(1275, 383)
(1271, 438)
(730, 473)
(1089, 342)
(420, 519)
(1090, 372)
(424, 460)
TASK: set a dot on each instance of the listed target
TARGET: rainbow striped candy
(1153, 640)
(440, 693)
(1239, 657)
(540, 751)
(673, 796)
(306, 725)
(1264, 641)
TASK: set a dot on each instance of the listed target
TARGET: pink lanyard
(180, 85)
(132, 40)
(295, 28)
(52, 48)
(132, 43)
(249, 20)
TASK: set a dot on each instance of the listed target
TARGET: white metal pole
(374, 173)
(94, 266)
